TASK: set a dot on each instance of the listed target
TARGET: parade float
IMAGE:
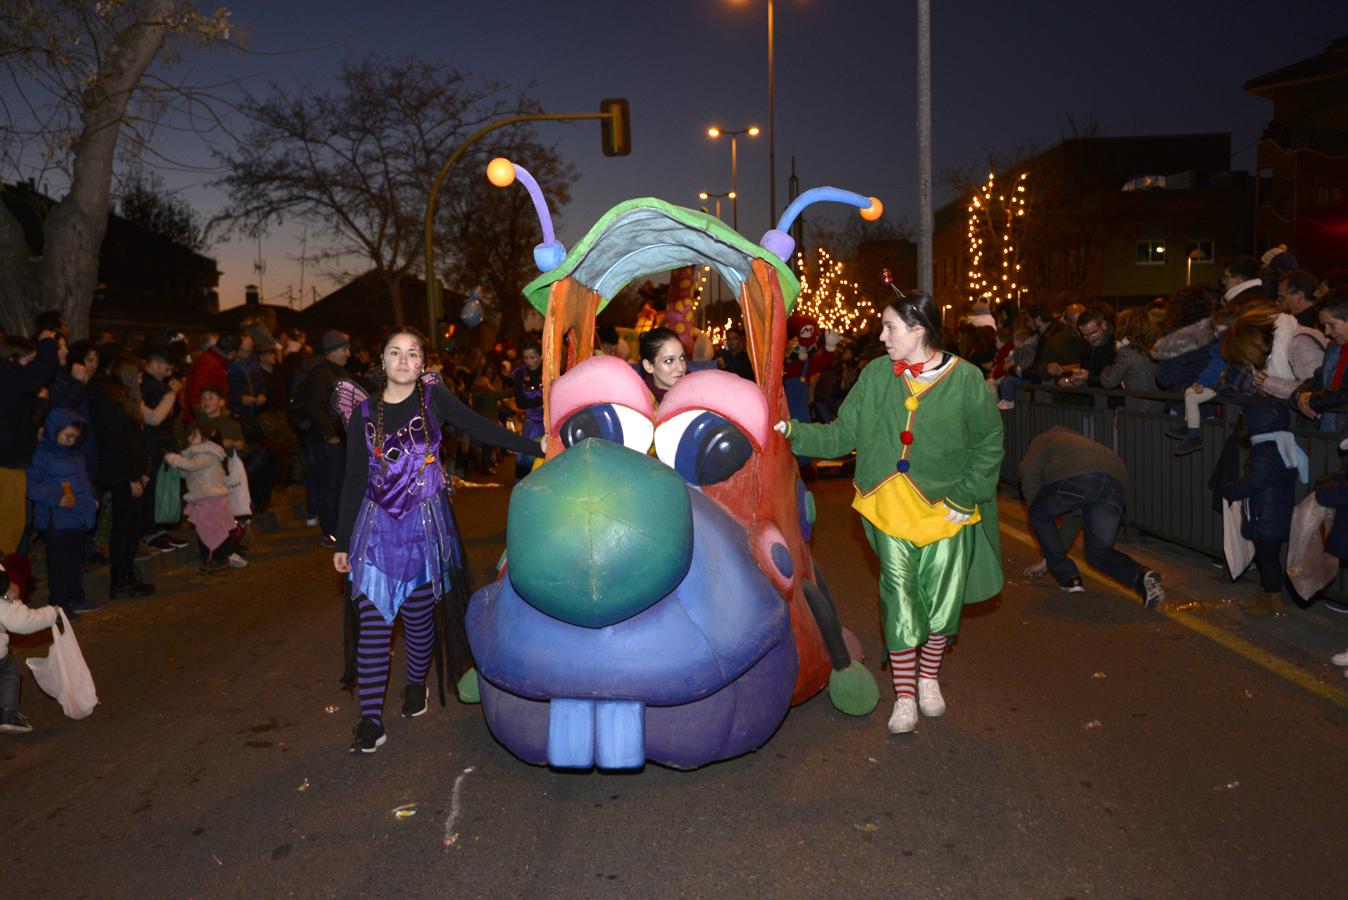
(658, 600)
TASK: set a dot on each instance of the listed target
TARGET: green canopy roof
(646, 236)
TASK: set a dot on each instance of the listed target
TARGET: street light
(772, 121)
(706, 195)
(715, 132)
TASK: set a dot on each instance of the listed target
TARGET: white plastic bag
(64, 673)
(236, 479)
(1239, 549)
(1309, 567)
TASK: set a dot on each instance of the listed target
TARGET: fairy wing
(346, 396)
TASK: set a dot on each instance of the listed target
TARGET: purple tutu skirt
(390, 557)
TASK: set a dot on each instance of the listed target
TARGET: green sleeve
(984, 433)
(836, 438)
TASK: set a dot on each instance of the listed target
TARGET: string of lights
(996, 224)
(830, 298)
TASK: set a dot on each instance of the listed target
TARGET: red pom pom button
(906, 437)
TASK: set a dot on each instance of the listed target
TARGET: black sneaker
(131, 589)
(1073, 585)
(14, 722)
(1178, 433)
(161, 542)
(414, 700)
(1150, 590)
(83, 606)
(369, 737)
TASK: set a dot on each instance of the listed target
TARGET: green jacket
(955, 456)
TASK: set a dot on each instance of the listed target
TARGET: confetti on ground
(1093, 723)
(455, 805)
(868, 827)
(1229, 786)
(1248, 695)
(1099, 675)
(331, 709)
(304, 786)
(873, 759)
(217, 860)
(406, 811)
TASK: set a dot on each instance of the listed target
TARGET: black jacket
(18, 404)
(323, 418)
(122, 456)
(1269, 487)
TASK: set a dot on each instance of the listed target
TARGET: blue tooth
(620, 733)
(571, 734)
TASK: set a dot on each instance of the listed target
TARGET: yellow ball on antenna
(501, 172)
(874, 211)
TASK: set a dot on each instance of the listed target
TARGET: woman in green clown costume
(928, 439)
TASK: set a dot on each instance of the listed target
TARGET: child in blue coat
(65, 507)
(1268, 489)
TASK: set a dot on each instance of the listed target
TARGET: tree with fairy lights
(996, 230)
(829, 297)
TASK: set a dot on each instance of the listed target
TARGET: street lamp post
(715, 132)
(708, 195)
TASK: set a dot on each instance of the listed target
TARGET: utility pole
(924, 214)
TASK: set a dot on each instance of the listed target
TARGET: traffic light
(616, 127)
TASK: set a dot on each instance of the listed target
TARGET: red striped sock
(903, 669)
(932, 652)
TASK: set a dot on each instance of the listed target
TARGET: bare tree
(357, 163)
(74, 69)
(143, 199)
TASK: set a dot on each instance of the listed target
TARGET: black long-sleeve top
(447, 411)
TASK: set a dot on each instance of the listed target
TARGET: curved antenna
(778, 241)
(502, 173)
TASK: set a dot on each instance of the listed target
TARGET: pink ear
(599, 379)
(731, 396)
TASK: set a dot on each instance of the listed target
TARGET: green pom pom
(853, 690)
(468, 688)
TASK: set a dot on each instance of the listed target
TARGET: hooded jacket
(18, 395)
(51, 467)
(204, 464)
(1268, 485)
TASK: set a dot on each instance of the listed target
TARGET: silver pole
(924, 214)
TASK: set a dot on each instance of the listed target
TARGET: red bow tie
(901, 367)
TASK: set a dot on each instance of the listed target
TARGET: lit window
(1151, 252)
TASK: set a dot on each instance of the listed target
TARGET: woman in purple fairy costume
(528, 376)
(397, 540)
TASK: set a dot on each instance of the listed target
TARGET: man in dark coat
(323, 440)
(19, 386)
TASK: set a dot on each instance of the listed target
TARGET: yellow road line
(1218, 635)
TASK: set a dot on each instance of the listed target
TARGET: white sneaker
(311, 522)
(1340, 659)
(237, 562)
(1038, 570)
(1006, 404)
(904, 717)
(929, 698)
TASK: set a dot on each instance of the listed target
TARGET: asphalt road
(1091, 748)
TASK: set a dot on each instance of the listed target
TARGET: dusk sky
(1005, 75)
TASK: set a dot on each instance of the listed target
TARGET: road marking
(1221, 636)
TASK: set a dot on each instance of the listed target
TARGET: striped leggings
(376, 641)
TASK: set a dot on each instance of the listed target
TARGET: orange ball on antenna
(501, 172)
(874, 211)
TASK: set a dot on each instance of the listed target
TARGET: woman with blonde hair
(1282, 352)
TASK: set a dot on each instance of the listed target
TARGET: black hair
(159, 351)
(608, 334)
(213, 389)
(532, 345)
(229, 342)
(918, 308)
(1246, 268)
(50, 320)
(1335, 278)
(1299, 281)
(1096, 312)
(207, 433)
(380, 380)
(650, 342)
(1335, 303)
(79, 350)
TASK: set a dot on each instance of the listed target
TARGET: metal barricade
(1169, 497)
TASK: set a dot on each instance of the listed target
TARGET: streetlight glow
(753, 131)
(733, 133)
(714, 132)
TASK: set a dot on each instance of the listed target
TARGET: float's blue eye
(608, 422)
(702, 447)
